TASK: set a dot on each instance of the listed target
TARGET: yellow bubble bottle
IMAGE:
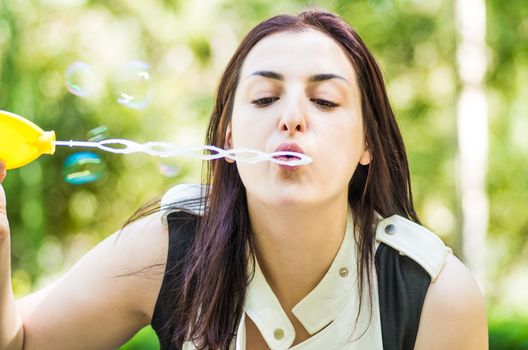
(22, 141)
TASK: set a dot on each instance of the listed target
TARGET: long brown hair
(208, 301)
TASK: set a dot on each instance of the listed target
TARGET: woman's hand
(4, 226)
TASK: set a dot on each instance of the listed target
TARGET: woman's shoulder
(415, 241)
(142, 247)
(453, 314)
(181, 192)
(187, 197)
(454, 311)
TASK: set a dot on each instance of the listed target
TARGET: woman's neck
(295, 245)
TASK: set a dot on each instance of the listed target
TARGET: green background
(187, 44)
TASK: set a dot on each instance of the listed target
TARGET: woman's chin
(289, 198)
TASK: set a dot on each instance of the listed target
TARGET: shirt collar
(317, 309)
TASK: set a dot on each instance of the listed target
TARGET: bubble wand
(22, 141)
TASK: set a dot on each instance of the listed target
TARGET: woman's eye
(264, 102)
(324, 103)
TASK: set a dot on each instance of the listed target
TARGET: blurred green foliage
(187, 44)
(145, 339)
(509, 334)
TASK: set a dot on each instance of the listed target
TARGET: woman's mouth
(289, 156)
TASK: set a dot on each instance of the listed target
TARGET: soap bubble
(81, 79)
(134, 86)
(83, 167)
(97, 134)
(169, 170)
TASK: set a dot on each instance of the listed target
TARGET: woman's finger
(3, 172)
(2, 193)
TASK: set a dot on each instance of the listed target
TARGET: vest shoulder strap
(408, 258)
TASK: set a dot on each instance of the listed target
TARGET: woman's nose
(293, 118)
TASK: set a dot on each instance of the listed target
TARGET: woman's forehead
(300, 54)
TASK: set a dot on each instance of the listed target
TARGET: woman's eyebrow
(312, 79)
(322, 77)
(268, 74)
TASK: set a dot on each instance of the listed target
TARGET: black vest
(402, 285)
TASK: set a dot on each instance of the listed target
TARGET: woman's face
(298, 87)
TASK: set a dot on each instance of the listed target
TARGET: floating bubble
(81, 79)
(97, 134)
(134, 85)
(83, 167)
(169, 170)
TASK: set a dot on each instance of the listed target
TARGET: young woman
(328, 255)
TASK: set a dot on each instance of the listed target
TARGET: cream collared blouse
(329, 311)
